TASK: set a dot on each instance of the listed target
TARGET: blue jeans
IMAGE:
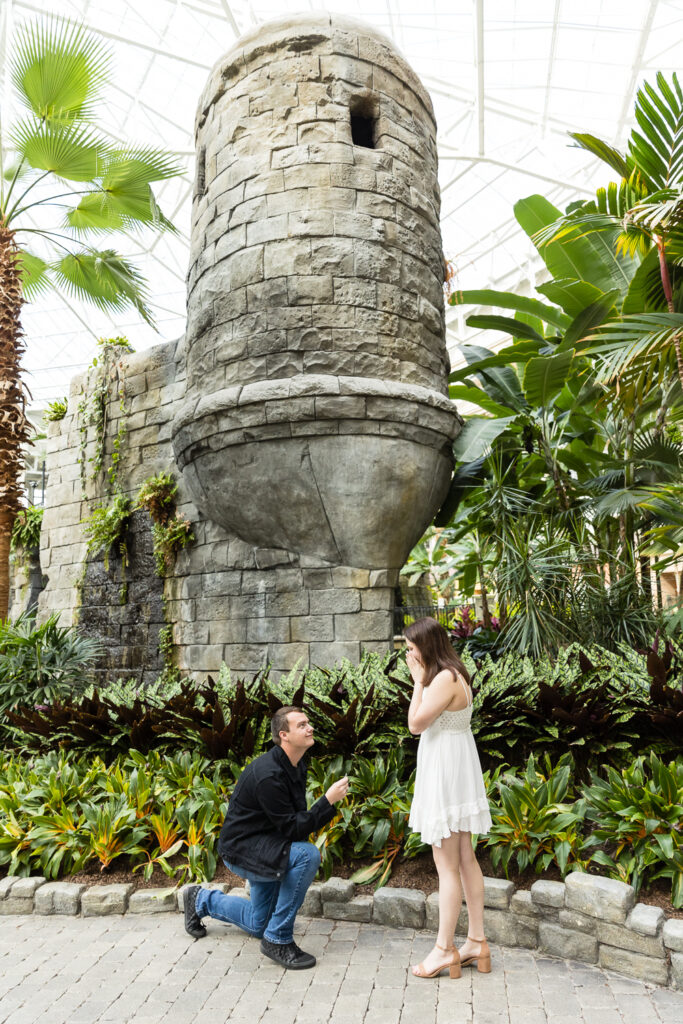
(272, 906)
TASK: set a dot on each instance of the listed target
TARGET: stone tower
(316, 419)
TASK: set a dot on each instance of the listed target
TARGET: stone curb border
(588, 918)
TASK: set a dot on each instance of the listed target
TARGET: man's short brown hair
(279, 723)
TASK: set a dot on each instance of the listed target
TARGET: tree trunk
(14, 426)
(646, 576)
(485, 612)
(668, 295)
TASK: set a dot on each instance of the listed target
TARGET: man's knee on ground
(313, 854)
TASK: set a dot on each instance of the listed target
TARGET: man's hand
(338, 790)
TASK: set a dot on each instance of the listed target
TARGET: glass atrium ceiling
(508, 79)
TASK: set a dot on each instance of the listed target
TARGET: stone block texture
(604, 898)
(305, 411)
(315, 355)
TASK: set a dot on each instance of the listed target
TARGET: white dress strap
(465, 688)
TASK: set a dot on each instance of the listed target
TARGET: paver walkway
(147, 970)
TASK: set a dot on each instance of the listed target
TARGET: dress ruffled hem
(473, 817)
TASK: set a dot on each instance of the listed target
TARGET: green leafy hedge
(62, 812)
(601, 706)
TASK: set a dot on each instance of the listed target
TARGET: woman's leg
(473, 886)
(447, 861)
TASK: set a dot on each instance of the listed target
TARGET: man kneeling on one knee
(263, 840)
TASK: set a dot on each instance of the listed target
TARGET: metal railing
(408, 613)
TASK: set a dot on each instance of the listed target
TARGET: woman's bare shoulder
(450, 681)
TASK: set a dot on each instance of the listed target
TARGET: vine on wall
(93, 411)
(171, 533)
(105, 527)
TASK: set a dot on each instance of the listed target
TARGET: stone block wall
(306, 406)
(225, 600)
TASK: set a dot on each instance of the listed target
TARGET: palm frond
(104, 278)
(102, 211)
(657, 149)
(631, 240)
(608, 154)
(58, 69)
(625, 344)
(71, 152)
(620, 500)
(137, 165)
(34, 279)
(660, 212)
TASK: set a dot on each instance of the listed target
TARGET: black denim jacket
(267, 813)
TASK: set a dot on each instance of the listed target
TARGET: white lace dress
(449, 789)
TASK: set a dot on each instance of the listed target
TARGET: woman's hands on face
(415, 665)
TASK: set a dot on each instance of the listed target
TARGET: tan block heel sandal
(483, 957)
(453, 966)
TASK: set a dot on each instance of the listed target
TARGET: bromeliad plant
(535, 821)
(638, 823)
(54, 157)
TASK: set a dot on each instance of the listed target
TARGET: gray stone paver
(147, 971)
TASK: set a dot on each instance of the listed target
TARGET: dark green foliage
(361, 708)
(190, 718)
(40, 664)
(598, 705)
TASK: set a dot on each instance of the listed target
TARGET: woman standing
(449, 802)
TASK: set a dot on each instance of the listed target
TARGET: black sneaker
(287, 955)
(193, 925)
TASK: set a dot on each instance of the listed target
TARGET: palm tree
(641, 215)
(56, 159)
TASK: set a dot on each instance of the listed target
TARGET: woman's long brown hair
(435, 648)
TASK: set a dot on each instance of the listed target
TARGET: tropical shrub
(171, 533)
(60, 813)
(638, 823)
(26, 529)
(41, 664)
(566, 500)
(535, 821)
(56, 410)
(473, 636)
(597, 704)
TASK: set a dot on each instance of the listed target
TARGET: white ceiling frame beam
(479, 68)
(35, 9)
(495, 106)
(551, 67)
(230, 18)
(635, 69)
(513, 167)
